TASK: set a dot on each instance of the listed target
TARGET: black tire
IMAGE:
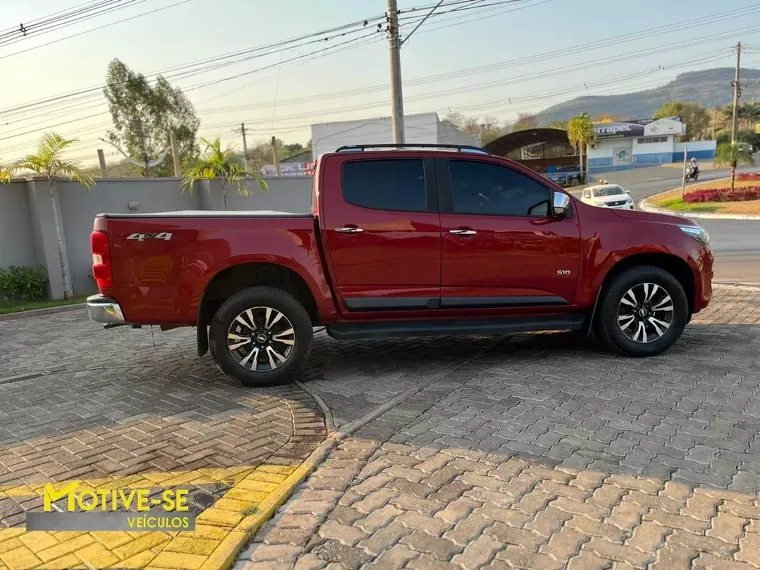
(606, 325)
(237, 304)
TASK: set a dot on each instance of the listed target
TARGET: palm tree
(732, 155)
(580, 133)
(218, 163)
(49, 163)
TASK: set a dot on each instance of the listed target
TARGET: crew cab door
(382, 231)
(502, 249)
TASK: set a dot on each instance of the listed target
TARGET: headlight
(599, 203)
(697, 233)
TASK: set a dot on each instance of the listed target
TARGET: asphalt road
(736, 243)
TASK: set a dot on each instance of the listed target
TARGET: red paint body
(399, 254)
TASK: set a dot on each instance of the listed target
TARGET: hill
(709, 88)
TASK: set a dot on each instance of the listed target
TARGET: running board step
(350, 331)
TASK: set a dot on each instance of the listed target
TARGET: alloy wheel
(645, 312)
(261, 339)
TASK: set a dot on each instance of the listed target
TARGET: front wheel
(261, 336)
(643, 312)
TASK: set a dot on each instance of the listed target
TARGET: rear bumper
(104, 310)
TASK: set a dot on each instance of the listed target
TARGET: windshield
(608, 191)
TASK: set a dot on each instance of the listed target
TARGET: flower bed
(748, 176)
(723, 195)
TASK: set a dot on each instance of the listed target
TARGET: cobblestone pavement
(107, 409)
(544, 452)
(137, 408)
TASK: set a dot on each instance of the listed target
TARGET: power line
(76, 16)
(95, 29)
(482, 69)
(536, 57)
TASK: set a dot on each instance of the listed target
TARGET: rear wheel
(261, 336)
(643, 312)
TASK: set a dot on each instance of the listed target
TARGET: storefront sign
(289, 169)
(639, 128)
(618, 130)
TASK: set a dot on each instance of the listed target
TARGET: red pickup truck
(402, 241)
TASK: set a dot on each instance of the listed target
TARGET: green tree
(220, 164)
(49, 163)
(557, 125)
(692, 114)
(580, 133)
(750, 137)
(732, 155)
(723, 137)
(144, 116)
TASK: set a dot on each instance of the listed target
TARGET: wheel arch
(238, 277)
(673, 264)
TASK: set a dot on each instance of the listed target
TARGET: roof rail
(458, 147)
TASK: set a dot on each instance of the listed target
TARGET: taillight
(101, 260)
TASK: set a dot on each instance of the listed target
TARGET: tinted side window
(483, 188)
(385, 184)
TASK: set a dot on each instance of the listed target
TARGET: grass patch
(679, 205)
(672, 200)
(7, 307)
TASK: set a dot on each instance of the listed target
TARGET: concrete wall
(695, 149)
(17, 243)
(79, 208)
(285, 194)
(27, 228)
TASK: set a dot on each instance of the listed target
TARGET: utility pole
(737, 91)
(274, 156)
(397, 97)
(245, 148)
(102, 161)
(175, 154)
(713, 129)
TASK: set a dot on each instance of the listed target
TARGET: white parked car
(607, 196)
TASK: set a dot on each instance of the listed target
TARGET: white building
(425, 128)
(624, 145)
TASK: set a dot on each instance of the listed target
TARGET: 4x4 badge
(160, 235)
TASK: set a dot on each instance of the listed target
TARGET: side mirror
(560, 204)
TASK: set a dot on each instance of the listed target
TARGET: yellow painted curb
(226, 553)
(221, 530)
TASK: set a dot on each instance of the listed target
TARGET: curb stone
(42, 312)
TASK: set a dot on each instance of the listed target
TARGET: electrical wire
(23, 32)
(482, 69)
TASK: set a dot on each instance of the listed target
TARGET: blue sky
(492, 35)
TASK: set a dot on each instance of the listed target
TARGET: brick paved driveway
(527, 450)
(543, 452)
(110, 410)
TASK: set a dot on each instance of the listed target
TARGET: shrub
(723, 195)
(23, 283)
(744, 176)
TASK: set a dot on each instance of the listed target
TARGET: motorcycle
(692, 173)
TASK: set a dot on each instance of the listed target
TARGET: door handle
(463, 232)
(349, 230)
